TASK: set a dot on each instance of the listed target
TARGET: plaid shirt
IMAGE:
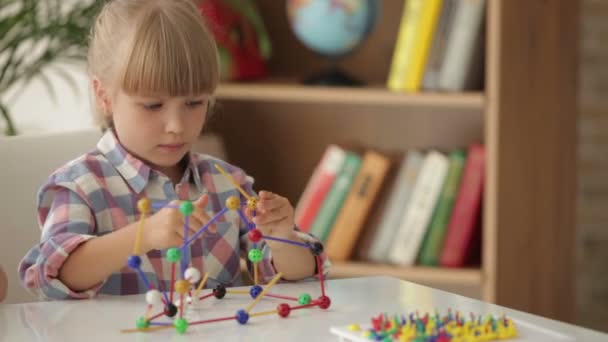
(97, 194)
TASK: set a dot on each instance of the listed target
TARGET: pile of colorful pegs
(435, 328)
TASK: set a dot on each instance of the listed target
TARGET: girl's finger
(249, 213)
(202, 201)
(272, 204)
(265, 204)
(268, 227)
(266, 195)
(179, 235)
(202, 216)
(194, 224)
(275, 215)
(264, 229)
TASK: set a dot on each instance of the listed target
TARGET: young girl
(154, 69)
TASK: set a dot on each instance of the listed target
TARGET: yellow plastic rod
(233, 181)
(263, 313)
(263, 293)
(200, 286)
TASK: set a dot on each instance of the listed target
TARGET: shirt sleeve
(266, 269)
(66, 222)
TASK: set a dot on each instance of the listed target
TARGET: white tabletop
(353, 301)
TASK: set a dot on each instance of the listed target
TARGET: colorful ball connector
(189, 276)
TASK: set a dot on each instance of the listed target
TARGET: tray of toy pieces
(451, 327)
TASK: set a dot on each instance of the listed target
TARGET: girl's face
(159, 129)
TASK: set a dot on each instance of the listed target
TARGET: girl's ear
(102, 98)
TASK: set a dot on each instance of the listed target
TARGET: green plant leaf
(38, 34)
(10, 127)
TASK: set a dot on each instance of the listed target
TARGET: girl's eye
(193, 104)
(153, 106)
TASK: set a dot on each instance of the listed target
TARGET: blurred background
(53, 95)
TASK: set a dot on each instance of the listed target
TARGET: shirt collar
(191, 173)
(135, 172)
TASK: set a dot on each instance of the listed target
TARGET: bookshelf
(370, 95)
(277, 129)
(471, 277)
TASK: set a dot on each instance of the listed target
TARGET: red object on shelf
(238, 37)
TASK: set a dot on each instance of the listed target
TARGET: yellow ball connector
(143, 205)
(233, 203)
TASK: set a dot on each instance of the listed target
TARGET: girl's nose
(174, 123)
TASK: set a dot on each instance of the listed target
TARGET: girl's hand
(199, 215)
(165, 228)
(274, 215)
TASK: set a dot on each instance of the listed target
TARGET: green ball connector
(174, 255)
(186, 208)
(181, 325)
(304, 299)
(255, 255)
(142, 323)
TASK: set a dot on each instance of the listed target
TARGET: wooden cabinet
(278, 128)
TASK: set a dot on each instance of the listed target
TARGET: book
(318, 186)
(397, 203)
(405, 44)
(350, 221)
(418, 213)
(416, 32)
(438, 47)
(467, 206)
(335, 198)
(463, 62)
(435, 234)
(425, 30)
(370, 229)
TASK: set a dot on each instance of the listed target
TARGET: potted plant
(36, 37)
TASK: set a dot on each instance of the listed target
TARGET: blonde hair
(152, 47)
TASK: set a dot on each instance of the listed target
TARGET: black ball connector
(170, 310)
(219, 291)
(316, 248)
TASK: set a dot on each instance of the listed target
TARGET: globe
(332, 28)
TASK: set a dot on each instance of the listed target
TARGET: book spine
(351, 219)
(425, 31)
(464, 45)
(331, 162)
(416, 219)
(397, 204)
(438, 47)
(433, 241)
(335, 198)
(466, 209)
(404, 47)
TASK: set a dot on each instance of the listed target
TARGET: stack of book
(439, 47)
(423, 208)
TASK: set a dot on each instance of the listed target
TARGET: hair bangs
(171, 54)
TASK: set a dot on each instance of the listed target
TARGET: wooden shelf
(369, 96)
(524, 117)
(423, 275)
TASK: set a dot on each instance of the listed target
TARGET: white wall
(33, 110)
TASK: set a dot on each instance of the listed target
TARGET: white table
(353, 301)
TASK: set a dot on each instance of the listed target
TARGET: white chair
(25, 164)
